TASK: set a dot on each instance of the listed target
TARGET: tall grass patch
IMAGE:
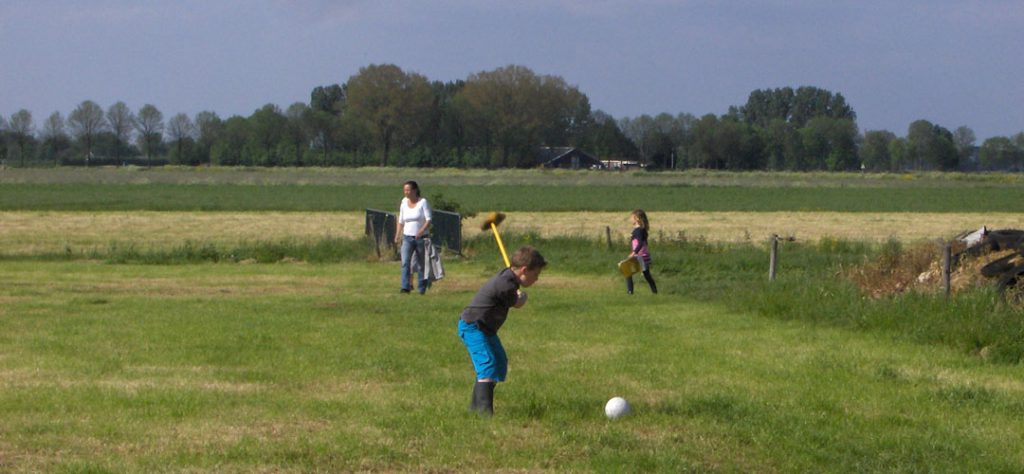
(816, 283)
(976, 321)
(31, 233)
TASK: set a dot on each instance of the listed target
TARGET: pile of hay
(919, 268)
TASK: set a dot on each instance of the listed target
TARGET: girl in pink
(639, 249)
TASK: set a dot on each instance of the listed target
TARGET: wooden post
(773, 259)
(946, 262)
(608, 235)
(376, 239)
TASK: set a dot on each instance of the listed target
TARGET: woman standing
(412, 225)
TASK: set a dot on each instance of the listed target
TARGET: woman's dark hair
(412, 184)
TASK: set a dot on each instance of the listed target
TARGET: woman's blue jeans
(411, 247)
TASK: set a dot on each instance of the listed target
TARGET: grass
(64, 234)
(390, 176)
(479, 198)
(302, 367)
(294, 352)
(818, 281)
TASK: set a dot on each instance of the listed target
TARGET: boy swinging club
(481, 319)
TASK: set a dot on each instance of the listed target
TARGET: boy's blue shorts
(488, 355)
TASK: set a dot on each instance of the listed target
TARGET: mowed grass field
(326, 368)
(296, 366)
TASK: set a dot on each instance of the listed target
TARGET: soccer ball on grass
(616, 408)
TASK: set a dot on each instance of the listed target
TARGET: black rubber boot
(483, 398)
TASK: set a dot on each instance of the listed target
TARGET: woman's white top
(413, 218)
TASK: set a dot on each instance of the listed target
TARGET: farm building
(568, 158)
(621, 165)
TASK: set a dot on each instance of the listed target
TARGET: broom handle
(501, 245)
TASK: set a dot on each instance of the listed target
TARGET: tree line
(385, 116)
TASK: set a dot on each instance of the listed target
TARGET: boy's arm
(520, 299)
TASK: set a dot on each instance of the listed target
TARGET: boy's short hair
(528, 257)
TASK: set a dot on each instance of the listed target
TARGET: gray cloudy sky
(950, 62)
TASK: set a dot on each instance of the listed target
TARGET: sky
(953, 63)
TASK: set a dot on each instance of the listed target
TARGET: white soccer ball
(616, 408)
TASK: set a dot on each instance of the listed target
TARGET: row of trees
(386, 116)
(810, 129)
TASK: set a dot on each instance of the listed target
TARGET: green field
(297, 368)
(471, 177)
(336, 190)
(301, 356)
(478, 198)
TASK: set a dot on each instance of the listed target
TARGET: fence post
(608, 236)
(946, 262)
(773, 258)
(375, 236)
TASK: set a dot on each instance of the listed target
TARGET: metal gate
(445, 228)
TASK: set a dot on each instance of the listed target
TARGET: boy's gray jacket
(433, 268)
